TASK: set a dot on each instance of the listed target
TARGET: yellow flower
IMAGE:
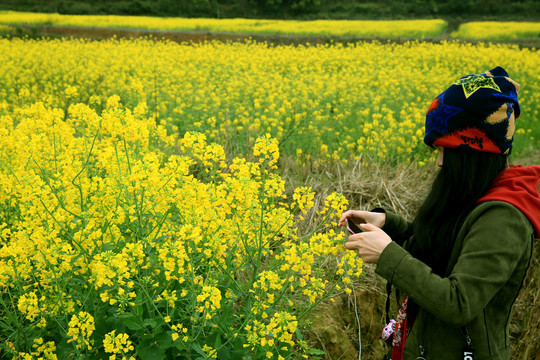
(28, 305)
(210, 352)
(117, 344)
(80, 330)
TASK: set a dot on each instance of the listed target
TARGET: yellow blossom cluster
(80, 330)
(267, 149)
(179, 330)
(28, 305)
(276, 336)
(41, 350)
(487, 30)
(210, 352)
(321, 103)
(303, 197)
(210, 298)
(116, 234)
(118, 344)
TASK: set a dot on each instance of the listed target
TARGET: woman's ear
(440, 157)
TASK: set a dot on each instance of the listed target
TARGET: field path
(202, 36)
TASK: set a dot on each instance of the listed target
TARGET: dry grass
(398, 189)
(366, 184)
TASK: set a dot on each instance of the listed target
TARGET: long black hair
(464, 177)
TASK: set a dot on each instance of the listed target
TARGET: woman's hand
(363, 217)
(370, 243)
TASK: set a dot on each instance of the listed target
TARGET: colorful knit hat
(477, 112)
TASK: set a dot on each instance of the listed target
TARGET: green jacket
(485, 272)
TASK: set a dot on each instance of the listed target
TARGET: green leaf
(225, 354)
(150, 351)
(198, 349)
(164, 340)
(106, 324)
(217, 343)
(108, 247)
(131, 321)
(299, 334)
(138, 309)
(316, 352)
(64, 349)
(150, 322)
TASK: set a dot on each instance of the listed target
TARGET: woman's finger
(370, 243)
(352, 245)
(369, 227)
(344, 217)
(354, 242)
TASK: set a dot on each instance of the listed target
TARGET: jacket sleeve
(396, 226)
(495, 237)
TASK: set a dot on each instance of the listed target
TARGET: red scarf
(518, 186)
(401, 331)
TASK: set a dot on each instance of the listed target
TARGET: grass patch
(7, 30)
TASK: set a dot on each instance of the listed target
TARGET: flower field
(322, 102)
(143, 213)
(360, 28)
(496, 30)
(484, 30)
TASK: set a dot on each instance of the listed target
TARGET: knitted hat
(477, 112)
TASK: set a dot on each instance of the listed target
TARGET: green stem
(226, 272)
(63, 228)
(318, 301)
(260, 239)
(84, 167)
(143, 288)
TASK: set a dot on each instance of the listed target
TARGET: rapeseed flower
(80, 330)
(118, 344)
(321, 103)
(497, 30)
(118, 225)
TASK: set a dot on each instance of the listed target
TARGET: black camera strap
(387, 305)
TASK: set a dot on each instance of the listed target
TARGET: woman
(460, 264)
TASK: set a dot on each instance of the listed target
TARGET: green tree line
(507, 10)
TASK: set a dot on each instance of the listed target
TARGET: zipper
(421, 347)
(422, 352)
(468, 352)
